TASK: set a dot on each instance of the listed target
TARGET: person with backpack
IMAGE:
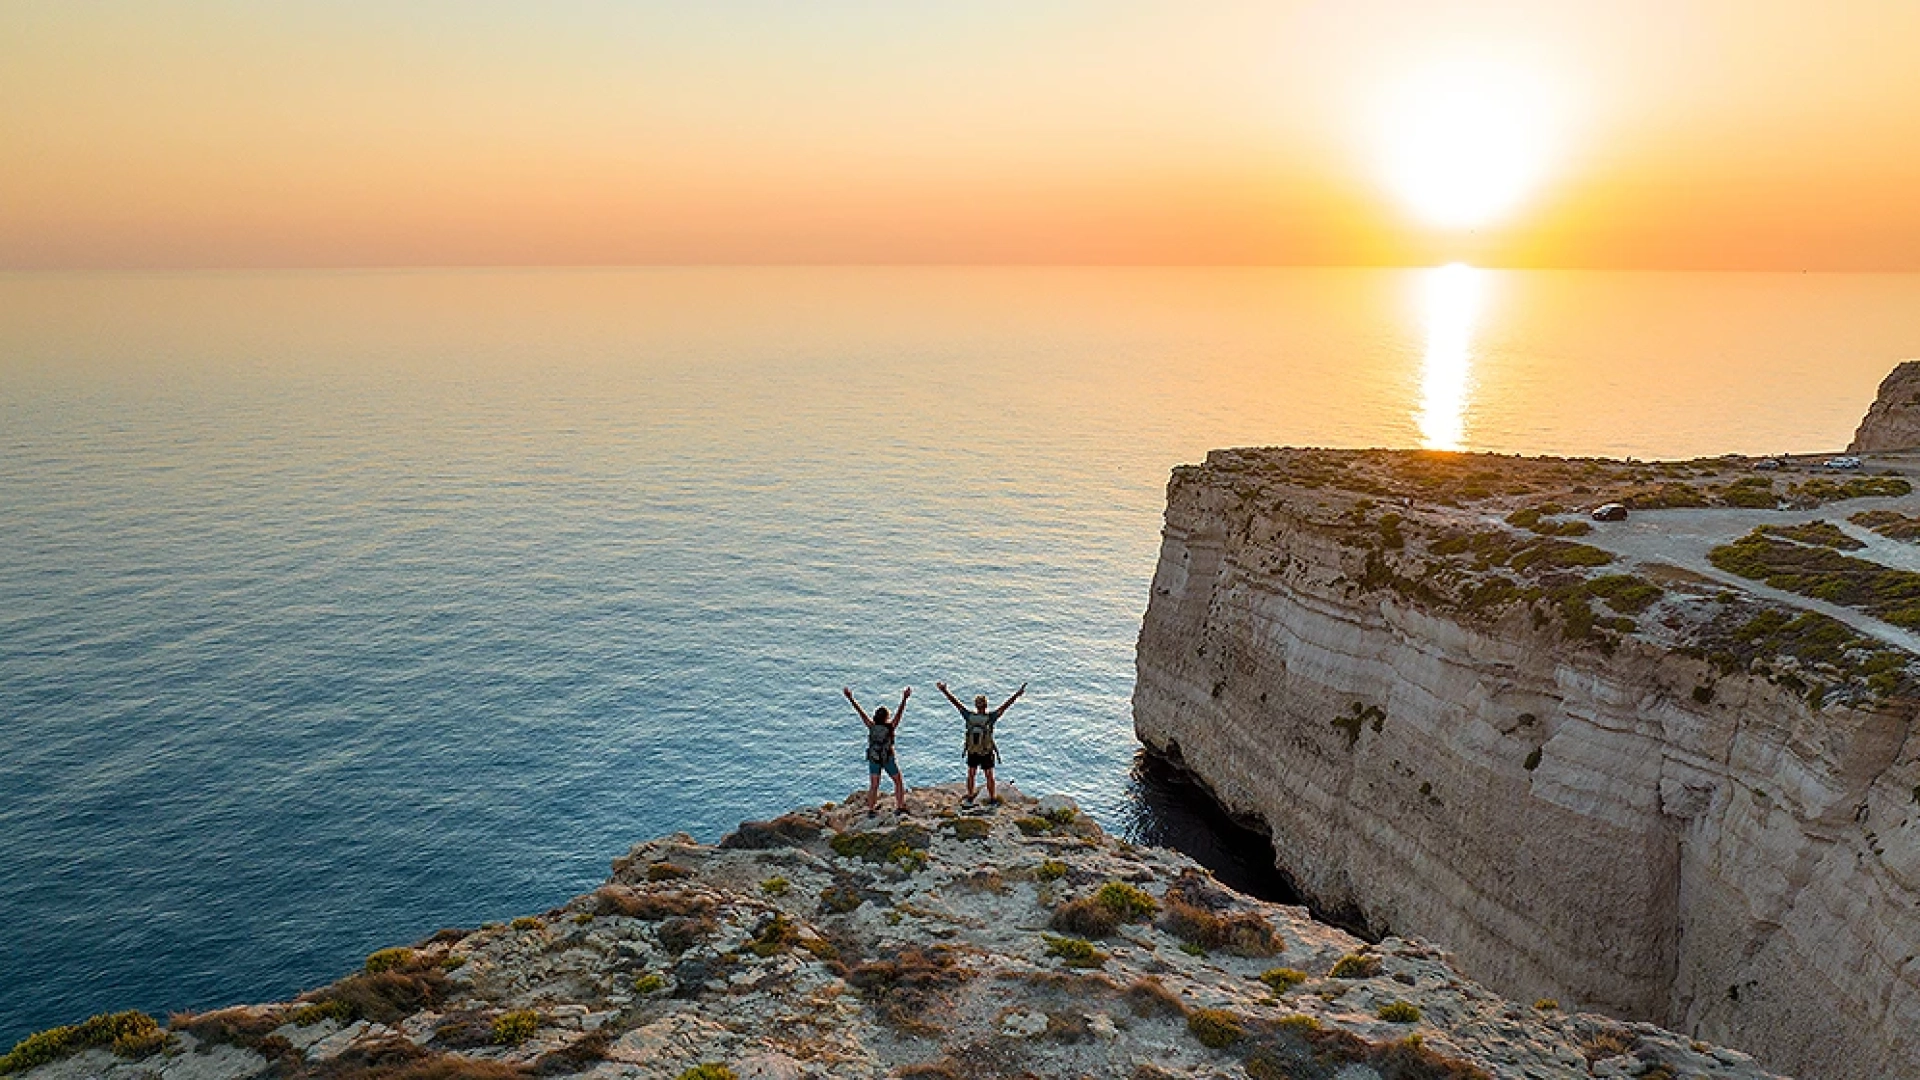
(982, 751)
(880, 757)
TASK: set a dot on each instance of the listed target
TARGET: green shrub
(389, 959)
(1547, 1004)
(1130, 902)
(1215, 1028)
(1191, 949)
(1283, 979)
(525, 922)
(905, 846)
(582, 918)
(514, 1028)
(650, 983)
(1050, 870)
(971, 828)
(666, 871)
(1399, 1012)
(1077, 952)
(1298, 1024)
(775, 886)
(708, 1071)
(1533, 759)
(1356, 966)
(1033, 826)
(309, 1015)
(139, 1033)
(776, 935)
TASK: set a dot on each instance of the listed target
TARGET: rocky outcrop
(1011, 941)
(1893, 420)
(1644, 794)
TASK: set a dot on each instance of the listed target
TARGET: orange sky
(1667, 134)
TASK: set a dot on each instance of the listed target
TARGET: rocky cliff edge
(1008, 941)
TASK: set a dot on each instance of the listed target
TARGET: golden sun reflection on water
(1451, 296)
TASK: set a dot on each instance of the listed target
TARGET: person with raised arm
(982, 751)
(880, 756)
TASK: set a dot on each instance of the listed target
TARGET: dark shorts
(979, 761)
(891, 767)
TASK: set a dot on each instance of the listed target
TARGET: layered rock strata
(1013, 941)
(1893, 421)
(1643, 792)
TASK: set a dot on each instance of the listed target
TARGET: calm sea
(339, 607)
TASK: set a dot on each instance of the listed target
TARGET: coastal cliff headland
(1658, 767)
(1010, 941)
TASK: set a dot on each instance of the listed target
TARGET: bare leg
(972, 770)
(873, 791)
(991, 797)
(899, 792)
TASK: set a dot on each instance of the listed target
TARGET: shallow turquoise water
(336, 608)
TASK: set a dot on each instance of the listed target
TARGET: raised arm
(1009, 702)
(950, 697)
(900, 713)
(864, 718)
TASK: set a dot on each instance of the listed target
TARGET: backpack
(879, 745)
(980, 734)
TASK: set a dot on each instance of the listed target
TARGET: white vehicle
(1843, 463)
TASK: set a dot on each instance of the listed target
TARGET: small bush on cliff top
(514, 1028)
(388, 959)
(1282, 979)
(1399, 1012)
(1075, 951)
(136, 1032)
(1356, 966)
(1215, 1028)
(708, 1071)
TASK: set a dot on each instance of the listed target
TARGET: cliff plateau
(1645, 770)
(1009, 941)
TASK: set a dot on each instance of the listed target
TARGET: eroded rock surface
(1614, 783)
(1893, 420)
(1009, 941)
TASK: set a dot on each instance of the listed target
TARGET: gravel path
(1682, 538)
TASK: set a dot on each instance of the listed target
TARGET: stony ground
(1007, 941)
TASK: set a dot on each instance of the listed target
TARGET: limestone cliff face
(1893, 421)
(1630, 829)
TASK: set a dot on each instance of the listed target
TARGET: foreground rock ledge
(1012, 942)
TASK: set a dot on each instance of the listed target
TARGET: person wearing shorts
(880, 756)
(982, 752)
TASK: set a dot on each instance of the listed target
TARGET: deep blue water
(337, 608)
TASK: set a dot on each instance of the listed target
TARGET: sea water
(336, 608)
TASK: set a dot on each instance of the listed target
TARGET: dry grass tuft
(653, 906)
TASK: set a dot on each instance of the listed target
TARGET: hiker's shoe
(967, 799)
(871, 812)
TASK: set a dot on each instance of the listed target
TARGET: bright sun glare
(1464, 144)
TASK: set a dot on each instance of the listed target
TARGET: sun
(1462, 145)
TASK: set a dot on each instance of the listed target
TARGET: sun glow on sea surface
(1462, 145)
(1452, 299)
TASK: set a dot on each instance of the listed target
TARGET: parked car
(1609, 512)
(1843, 463)
(1768, 463)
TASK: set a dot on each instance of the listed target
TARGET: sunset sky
(1619, 133)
